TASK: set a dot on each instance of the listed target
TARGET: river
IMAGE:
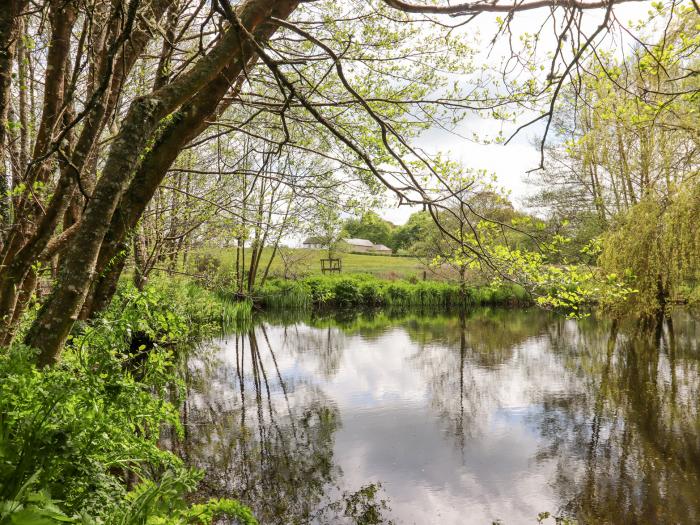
(495, 415)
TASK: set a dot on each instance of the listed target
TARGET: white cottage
(359, 245)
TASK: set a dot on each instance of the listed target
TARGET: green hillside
(381, 266)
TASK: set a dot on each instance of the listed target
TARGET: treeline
(420, 230)
(372, 227)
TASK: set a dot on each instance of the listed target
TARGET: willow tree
(86, 150)
(629, 157)
(658, 245)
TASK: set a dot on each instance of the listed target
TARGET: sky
(510, 163)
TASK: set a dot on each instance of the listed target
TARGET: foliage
(79, 442)
(371, 227)
(407, 235)
(512, 247)
(365, 290)
(172, 310)
(624, 165)
(658, 246)
(569, 288)
(206, 266)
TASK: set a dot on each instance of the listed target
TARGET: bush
(397, 294)
(371, 293)
(365, 290)
(79, 441)
(322, 291)
(346, 292)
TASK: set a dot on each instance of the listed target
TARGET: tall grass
(235, 314)
(204, 311)
(365, 290)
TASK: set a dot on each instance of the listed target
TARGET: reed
(365, 290)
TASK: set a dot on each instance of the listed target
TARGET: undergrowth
(79, 442)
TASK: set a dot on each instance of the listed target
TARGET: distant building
(352, 245)
(359, 245)
(380, 248)
(313, 243)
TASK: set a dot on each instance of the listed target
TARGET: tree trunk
(78, 269)
(9, 35)
(33, 232)
(186, 124)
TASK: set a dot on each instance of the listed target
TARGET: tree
(656, 246)
(327, 226)
(90, 156)
(407, 235)
(371, 227)
(626, 167)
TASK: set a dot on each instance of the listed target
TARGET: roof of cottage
(313, 240)
(359, 242)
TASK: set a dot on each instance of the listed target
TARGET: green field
(381, 266)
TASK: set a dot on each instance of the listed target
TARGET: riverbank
(361, 290)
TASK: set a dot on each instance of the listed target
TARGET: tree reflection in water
(269, 441)
(275, 456)
(613, 413)
(635, 428)
(624, 431)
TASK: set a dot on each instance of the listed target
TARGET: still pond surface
(475, 418)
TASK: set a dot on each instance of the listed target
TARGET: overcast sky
(510, 163)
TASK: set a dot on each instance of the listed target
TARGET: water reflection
(634, 430)
(264, 438)
(471, 418)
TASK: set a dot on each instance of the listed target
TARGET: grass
(366, 280)
(381, 266)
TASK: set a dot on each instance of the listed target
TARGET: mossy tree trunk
(150, 117)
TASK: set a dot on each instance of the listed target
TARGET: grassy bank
(366, 290)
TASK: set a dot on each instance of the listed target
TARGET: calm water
(493, 415)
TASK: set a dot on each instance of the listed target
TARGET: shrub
(173, 310)
(322, 291)
(367, 290)
(346, 292)
(397, 294)
(79, 441)
(371, 293)
(693, 297)
(72, 436)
